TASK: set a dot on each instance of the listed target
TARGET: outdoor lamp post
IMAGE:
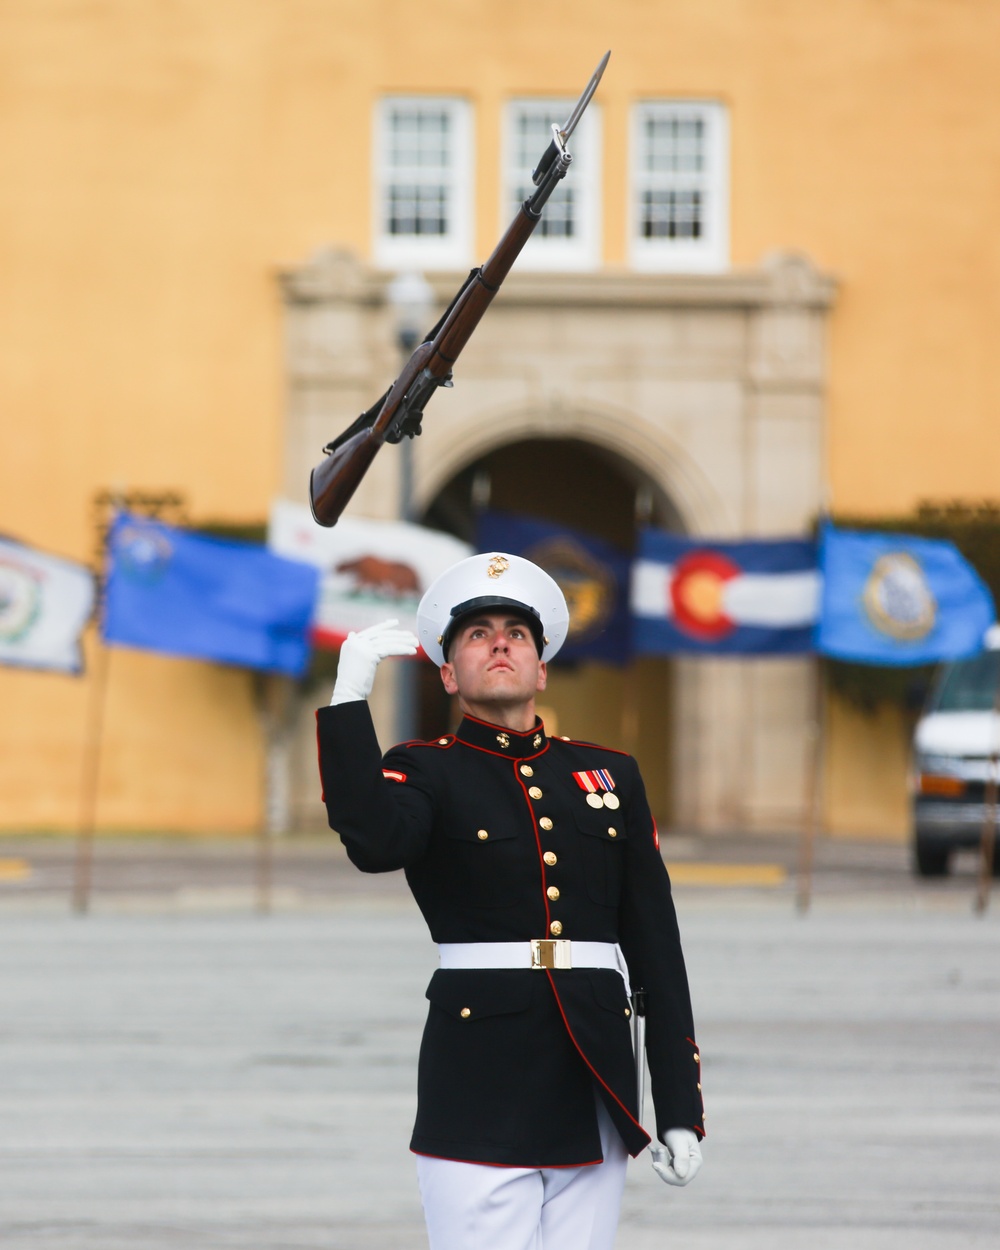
(411, 298)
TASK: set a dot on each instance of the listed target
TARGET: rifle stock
(334, 480)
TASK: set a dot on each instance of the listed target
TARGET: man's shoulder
(579, 746)
(426, 748)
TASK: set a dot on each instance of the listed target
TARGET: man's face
(493, 663)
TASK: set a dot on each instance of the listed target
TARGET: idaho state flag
(898, 599)
(593, 575)
(699, 597)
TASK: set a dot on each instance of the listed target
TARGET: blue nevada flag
(894, 599)
(592, 574)
(210, 599)
(703, 597)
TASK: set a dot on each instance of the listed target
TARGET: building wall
(711, 387)
(163, 162)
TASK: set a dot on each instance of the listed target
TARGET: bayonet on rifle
(398, 413)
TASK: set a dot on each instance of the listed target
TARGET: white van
(954, 746)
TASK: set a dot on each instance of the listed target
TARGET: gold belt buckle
(551, 953)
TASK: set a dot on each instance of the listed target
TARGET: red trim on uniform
(538, 841)
(577, 742)
(656, 843)
(698, 1128)
(449, 741)
(390, 775)
(521, 1167)
(596, 1075)
(506, 755)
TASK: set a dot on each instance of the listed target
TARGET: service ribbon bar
(594, 779)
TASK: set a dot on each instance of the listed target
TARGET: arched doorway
(571, 482)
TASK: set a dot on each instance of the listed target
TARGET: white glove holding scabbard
(361, 654)
(679, 1160)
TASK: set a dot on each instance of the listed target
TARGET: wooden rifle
(398, 412)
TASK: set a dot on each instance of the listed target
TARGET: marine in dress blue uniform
(535, 863)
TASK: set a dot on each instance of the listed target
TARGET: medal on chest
(599, 787)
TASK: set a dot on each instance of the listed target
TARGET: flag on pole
(700, 597)
(186, 594)
(591, 573)
(894, 599)
(45, 603)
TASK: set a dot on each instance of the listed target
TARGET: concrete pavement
(178, 1071)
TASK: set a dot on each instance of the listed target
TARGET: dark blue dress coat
(500, 843)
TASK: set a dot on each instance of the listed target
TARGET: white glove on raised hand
(679, 1160)
(360, 655)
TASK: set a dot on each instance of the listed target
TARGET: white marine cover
(492, 574)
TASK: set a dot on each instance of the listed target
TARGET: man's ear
(543, 676)
(448, 678)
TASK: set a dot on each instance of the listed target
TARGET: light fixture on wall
(411, 298)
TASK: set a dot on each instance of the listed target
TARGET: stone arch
(642, 445)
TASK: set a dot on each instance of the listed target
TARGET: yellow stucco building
(822, 290)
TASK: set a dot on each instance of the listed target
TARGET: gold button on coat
(628, 1011)
(546, 822)
(553, 892)
(612, 832)
(555, 928)
(527, 771)
(482, 835)
(550, 857)
(466, 1012)
(535, 792)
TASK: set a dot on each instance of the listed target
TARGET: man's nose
(500, 642)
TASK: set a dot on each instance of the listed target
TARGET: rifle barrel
(334, 480)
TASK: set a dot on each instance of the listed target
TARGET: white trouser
(473, 1206)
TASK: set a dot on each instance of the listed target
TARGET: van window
(968, 685)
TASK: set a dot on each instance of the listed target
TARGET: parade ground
(185, 1068)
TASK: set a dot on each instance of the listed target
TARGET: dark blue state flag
(694, 596)
(894, 599)
(592, 574)
(185, 594)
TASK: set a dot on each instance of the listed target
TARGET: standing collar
(500, 741)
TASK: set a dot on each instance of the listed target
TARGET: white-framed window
(423, 179)
(679, 186)
(568, 235)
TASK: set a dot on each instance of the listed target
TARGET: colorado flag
(702, 597)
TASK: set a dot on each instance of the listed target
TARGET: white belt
(556, 953)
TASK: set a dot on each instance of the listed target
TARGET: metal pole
(93, 742)
(987, 842)
(814, 796)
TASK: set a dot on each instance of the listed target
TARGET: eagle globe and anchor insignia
(897, 599)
